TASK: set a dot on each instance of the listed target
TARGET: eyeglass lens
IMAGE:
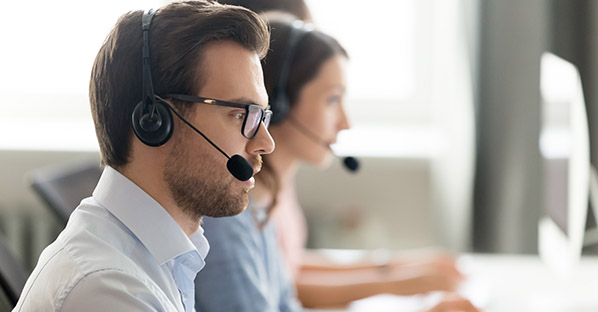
(255, 115)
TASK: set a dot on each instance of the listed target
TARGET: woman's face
(319, 108)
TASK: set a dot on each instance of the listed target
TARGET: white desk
(524, 283)
(511, 283)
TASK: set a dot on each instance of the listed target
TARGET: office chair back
(12, 274)
(63, 187)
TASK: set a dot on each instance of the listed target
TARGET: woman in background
(305, 76)
(308, 115)
(423, 270)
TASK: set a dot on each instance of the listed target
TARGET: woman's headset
(281, 104)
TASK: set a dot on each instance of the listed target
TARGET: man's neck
(152, 182)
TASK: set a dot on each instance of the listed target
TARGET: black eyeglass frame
(209, 101)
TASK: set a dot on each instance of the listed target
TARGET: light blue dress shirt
(244, 270)
(120, 251)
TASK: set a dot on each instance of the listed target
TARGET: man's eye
(239, 116)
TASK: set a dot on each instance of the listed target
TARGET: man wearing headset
(137, 243)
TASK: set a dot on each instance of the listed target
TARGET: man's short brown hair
(178, 33)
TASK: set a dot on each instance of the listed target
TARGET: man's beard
(202, 189)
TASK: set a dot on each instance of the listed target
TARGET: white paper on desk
(472, 289)
(388, 303)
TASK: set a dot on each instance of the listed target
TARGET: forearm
(322, 282)
(338, 288)
(316, 261)
(325, 288)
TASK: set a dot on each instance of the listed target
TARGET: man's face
(196, 172)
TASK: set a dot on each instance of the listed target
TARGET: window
(46, 58)
(385, 40)
(394, 46)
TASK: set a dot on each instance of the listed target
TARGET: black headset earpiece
(281, 102)
(151, 119)
(153, 129)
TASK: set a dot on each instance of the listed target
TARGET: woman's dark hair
(311, 52)
(179, 32)
(295, 7)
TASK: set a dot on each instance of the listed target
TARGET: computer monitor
(565, 149)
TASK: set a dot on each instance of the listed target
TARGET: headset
(282, 104)
(152, 119)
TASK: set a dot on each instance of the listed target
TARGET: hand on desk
(453, 303)
(424, 272)
(323, 283)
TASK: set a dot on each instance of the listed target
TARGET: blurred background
(443, 97)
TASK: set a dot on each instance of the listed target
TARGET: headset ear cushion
(154, 131)
(280, 107)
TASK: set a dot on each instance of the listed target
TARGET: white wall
(386, 204)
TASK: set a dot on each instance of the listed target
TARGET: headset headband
(148, 87)
(298, 30)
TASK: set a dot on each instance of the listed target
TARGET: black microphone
(237, 165)
(350, 163)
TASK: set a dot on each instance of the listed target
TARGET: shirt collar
(149, 222)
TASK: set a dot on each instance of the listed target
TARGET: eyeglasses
(254, 114)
